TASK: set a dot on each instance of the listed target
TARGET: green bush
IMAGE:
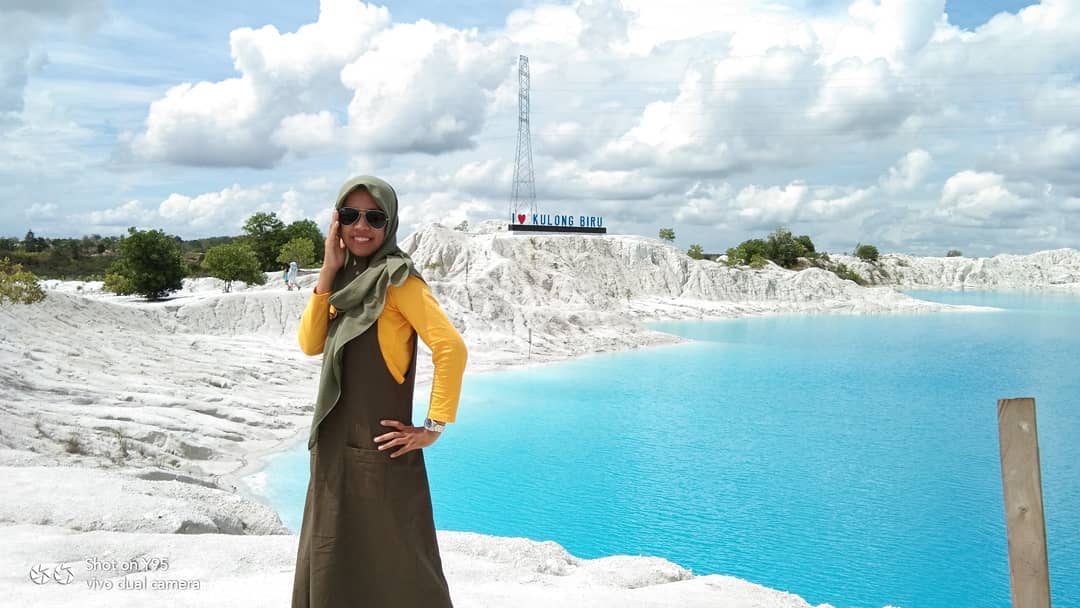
(667, 234)
(695, 251)
(18, 285)
(150, 265)
(868, 253)
(301, 251)
(842, 271)
(758, 261)
(235, 262)
(780, 246)
(746, 251)
(307, 229)
(953, 253)
(784, 249)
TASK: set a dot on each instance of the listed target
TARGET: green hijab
(359, 292)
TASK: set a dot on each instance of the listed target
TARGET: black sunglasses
(375, 218)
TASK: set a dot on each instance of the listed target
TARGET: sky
(916, 126)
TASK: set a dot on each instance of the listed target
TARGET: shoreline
(258, 460)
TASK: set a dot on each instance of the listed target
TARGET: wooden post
(1029, 575)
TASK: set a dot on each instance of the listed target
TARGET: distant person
(368, 532)
(293, 278)
(285, 277)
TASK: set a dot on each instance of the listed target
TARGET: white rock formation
(1057, 269)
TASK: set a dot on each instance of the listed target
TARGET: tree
(953, 253)
(235, 262)
(784, 249)
(150, 265)
(667, 234)
(868, 253)
(695, 251)
(463, 226)
(807, 244)
(306, 229)
(301, 251)
(265, 234)
(33, 243)
(18, 285)
(745, 252)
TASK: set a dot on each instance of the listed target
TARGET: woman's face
(362, 240)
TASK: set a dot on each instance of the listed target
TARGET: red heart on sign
(521, 218)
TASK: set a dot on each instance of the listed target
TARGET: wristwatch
(434, 425)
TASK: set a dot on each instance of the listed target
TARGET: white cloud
(858, 96)
(1061, 147)
(908, 173)
(313, 55)
(757, 206)
(397, 105)
(889, 29)
(208, 214)
(564, 139)
(729, 113)
(208, 124)
(604, 23)
(972, 196)
(545, 24)
(42, 211)
(286, 83)
(418, 87)
(761, 207)
(23, 23)
(446, 208)
(307, 132)
(224, 208)
(130, 213)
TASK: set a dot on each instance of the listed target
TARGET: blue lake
(848, 459)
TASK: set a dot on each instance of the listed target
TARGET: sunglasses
(376, 218)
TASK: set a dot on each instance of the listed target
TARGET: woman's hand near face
(334, 248)
(333, 256)
(409, 438)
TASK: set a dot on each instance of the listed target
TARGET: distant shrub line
(786, 250)
(152, 264)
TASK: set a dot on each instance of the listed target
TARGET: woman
(294, 276)
(368, 535)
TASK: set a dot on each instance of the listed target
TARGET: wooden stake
(1029, 575)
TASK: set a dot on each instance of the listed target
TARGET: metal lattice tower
(523, 198)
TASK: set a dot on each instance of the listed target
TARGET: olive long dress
(368, 534)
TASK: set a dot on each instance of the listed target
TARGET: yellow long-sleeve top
(408, 308)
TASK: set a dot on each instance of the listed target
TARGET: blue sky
(915, 125)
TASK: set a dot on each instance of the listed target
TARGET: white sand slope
(1057, 269)
(228, 571)
(127, 427)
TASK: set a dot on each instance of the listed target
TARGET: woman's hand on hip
(405, 437)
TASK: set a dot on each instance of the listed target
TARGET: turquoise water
(849, 460)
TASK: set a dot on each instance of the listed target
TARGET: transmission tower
(523, 198)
